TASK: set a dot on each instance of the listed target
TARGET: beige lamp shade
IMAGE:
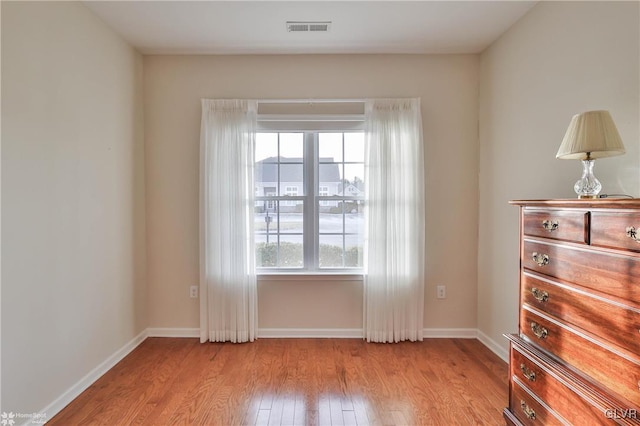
(591, 135)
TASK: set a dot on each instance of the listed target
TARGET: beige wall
(448, 86)
(560, 59)
(73, 208)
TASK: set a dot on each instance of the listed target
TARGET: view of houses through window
(309, 200)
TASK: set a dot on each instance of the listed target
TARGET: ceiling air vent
(308, 26)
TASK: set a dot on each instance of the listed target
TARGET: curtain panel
(395, 215)
(228, 287)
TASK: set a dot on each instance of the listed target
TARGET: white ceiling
(258, 27)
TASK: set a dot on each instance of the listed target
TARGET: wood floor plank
(299, 412)
(263, 417)
(288, 410)
(361, 411)
(251, 415)
(349, 418)
(297, 382)
(335, 406)
(276, 412)
(324, 410)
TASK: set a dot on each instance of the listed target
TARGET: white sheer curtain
(394, 254)
(228, 289)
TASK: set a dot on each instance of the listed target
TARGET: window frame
(311, 208)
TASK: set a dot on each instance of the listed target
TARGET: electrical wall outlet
(441, 292)
(193, 291)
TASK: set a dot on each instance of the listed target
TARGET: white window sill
(316, 276)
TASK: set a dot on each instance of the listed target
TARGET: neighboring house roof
(351, 190)
(356, 188)
(267, 170)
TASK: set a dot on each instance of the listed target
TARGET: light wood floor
(297, 381)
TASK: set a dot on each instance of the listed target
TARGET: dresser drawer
(538, 376)
(617, 373)
(557, 224)
(528, 409)
(616, 229)
(609, 273)
(613, 321)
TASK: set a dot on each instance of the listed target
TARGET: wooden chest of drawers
(576, 357)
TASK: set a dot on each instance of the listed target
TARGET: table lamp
(590, 135)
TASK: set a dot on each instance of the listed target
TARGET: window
(323, 191)
(291, 191)
(309, 213)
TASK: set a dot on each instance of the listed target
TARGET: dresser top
(598, 203)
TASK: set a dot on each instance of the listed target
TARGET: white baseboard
(450, 333)
(74, 391)
(494, 346)
(358, 333)
(173, 332)
(318, 333)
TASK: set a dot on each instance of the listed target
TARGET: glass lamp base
(588, 186)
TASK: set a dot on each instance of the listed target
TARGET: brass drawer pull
(550, 225)
(540, 258)
(529, 374)
(540, 295)
(633, 233)
(539, 331)
(528, 411)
